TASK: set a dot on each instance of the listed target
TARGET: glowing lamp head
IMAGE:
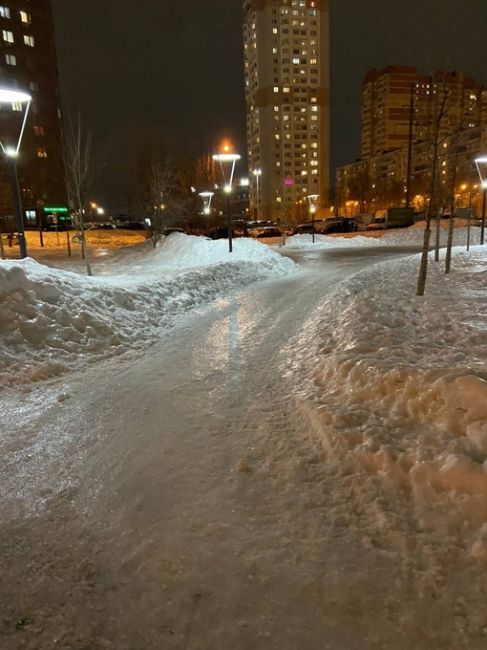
(481, 163)
(11, 152)
(207, 211)
(228, 189)
(8, 96)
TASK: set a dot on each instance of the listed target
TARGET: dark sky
(171, 70)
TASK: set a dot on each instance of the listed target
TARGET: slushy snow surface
(52, 319)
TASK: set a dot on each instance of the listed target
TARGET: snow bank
(52, 320)
(402, 237)
(396, 385)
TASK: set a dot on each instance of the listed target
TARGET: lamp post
(207, 198)
(257, 173)
(313, 208)
(227, 162)
(11, 152)
(482, 169)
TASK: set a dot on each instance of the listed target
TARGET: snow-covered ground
(397, 386)
(403, 237)
(53, 319)
(300, 465)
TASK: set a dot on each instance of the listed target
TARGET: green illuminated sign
(55, 210)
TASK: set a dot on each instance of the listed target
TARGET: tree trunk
(423, 269)
(449, 245)
(437, 237)
(84, 246)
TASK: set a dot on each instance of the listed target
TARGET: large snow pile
(396, 386)
(402, 237)
(52, 319)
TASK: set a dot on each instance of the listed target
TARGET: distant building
(288, 105)
(28, 62)
(379, 178)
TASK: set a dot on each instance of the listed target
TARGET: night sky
(172, 71)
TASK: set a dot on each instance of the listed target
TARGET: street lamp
(207, 198)
(257, 173)
(313, 208)
(227, 162)
(11, 152)
(482, 169)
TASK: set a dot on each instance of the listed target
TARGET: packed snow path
(178, 500)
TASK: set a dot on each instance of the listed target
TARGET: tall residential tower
(287, 73)
(28, 62)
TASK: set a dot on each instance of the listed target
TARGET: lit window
(39, 130)
(17, 106)
(41, 153)
(4, 12)
(11, 59)
(276, 89)
(29, 40)
(34, 86)
(25, 17)
(8, 37)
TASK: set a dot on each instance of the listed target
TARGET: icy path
(178, 500)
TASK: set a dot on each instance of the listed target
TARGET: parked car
(103, 226)
(169, 231)
(219, 232)
(393, 218)
(305, 229)
(339, 224)
(267, 232)
(134, 225)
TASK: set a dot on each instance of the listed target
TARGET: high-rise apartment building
(288, 98)
(386, 101)
(384, 176)
(28, 62)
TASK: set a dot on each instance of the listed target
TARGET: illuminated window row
(24, 16)
(8, 37)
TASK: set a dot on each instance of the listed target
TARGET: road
(177, 498)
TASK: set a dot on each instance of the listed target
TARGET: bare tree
(78, 167)
(160, 195)
(423, 269)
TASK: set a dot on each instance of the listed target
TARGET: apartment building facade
(400, 105)
(28, 62)
(286, 51)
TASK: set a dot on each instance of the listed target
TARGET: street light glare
(226, 157)
(8, 96)
(11, 152)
